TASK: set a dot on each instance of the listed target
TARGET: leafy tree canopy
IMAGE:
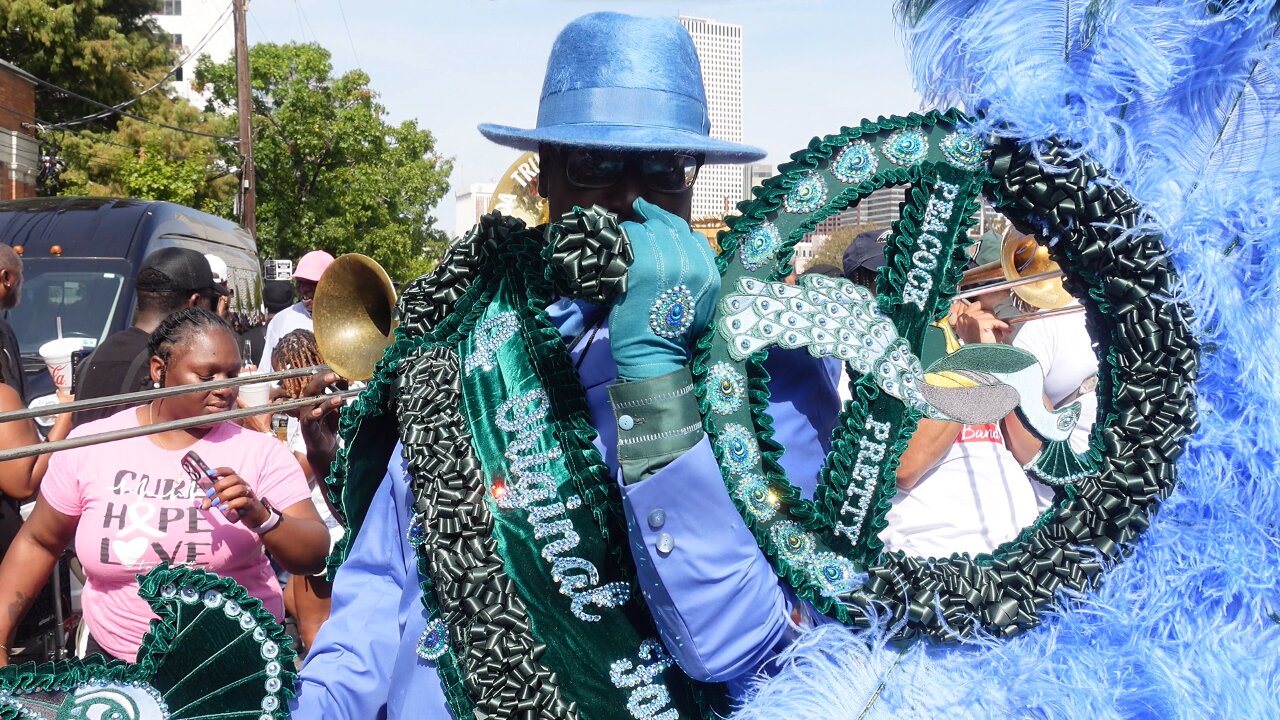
(108, 50)
(142, 160)
(333, 173)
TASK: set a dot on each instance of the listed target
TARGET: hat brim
(624, 137)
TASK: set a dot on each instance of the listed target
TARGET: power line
(139, 118)
(302, 18)
(213, 29)
(258, 24)
(42, 126)
(349, 40)
(104, 141)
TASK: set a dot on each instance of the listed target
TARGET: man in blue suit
(622, 124)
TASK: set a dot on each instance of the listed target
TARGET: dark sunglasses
(661, 171)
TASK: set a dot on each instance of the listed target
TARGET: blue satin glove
(672, 287)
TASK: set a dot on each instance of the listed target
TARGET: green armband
(657, 421)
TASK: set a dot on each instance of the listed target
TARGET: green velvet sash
(532, 604)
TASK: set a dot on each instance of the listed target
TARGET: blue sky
(809, 66)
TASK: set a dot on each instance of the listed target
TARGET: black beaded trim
(458, 559)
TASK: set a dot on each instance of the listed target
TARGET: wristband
(273, 519)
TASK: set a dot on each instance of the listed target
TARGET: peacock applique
(977, 384)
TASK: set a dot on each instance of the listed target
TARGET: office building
(754, 175)
(469, 205)
(719, 187)
(196, 27)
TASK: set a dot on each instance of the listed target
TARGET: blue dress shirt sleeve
(720, 608)
(349, 670)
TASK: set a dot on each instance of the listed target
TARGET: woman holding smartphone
(129, 505)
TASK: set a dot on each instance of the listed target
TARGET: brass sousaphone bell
(1025, 268)
(354, 313)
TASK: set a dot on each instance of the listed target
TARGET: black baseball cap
(277, 295)
(177, 270)
(866, 251)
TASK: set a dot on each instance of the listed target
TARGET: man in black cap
(863, 258)
(170, 279)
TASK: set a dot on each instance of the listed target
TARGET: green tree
(112, 52)
(142, 160)
(332, 172)
(108, 50)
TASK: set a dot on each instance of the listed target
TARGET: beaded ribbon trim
(827, 548)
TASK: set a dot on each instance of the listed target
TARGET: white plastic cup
(57, 356)
(255, 394)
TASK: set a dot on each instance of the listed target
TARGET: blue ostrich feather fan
(1179, 100)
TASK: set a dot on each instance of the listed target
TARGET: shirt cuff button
(657, 518)
(626, 422)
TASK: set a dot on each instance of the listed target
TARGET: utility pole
(248, 183)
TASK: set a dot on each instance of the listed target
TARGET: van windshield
(81, 295)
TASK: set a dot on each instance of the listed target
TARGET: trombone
(353, 311)
(1025, 268)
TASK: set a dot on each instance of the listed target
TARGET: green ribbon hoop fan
(827, 547)
(213, 652)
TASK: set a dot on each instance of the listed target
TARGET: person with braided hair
(129, 506)
(306, 597)
(297, 349)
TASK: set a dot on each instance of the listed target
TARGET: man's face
(306, 291)
(584, 177)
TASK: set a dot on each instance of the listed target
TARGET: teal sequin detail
(739, 446)
(760, 245)
(416, 535)
(962, 149)
(906, 147)
(726, 388)
(855, 163)
(835, 575)
(672, 313)
(434, 642)
(755, 494)
(794, 544)
(807, 195)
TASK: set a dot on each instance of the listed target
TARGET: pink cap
(312, 265)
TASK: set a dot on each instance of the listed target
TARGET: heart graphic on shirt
(128, 552)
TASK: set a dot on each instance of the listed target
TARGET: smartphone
(202, 475)
(76, 357)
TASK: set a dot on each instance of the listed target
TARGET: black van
(80, 256)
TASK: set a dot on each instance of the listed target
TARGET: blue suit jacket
(721, 610)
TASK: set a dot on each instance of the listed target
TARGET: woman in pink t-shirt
(129, 505)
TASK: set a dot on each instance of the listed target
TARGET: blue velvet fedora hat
(627, 83)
